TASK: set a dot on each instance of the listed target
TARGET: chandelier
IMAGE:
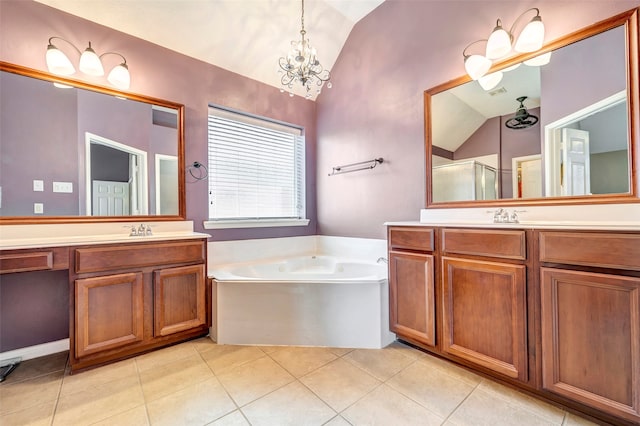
(302, 66)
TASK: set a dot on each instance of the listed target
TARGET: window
(256, 172)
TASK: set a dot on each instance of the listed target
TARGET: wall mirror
(561, 126)
(75, 152)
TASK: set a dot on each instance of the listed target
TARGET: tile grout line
(446, 419)
(57, 401)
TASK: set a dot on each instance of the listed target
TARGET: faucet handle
(133, 232)
(148, 231)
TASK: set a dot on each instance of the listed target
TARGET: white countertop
(526, 225)
(13, 237)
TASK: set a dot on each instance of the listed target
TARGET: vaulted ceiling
(243, 36)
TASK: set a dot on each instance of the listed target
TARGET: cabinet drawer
(420, 239)
(605, 250)
(491, 243)
(34, 260)
(108, 258)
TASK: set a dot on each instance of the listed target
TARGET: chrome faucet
(141, 230)
(503, 216)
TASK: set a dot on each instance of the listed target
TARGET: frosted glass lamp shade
(57, 62)
(532, 36)
(499, 43)
(490, 81)
(119, 77)
(476, 66)
(90, 62)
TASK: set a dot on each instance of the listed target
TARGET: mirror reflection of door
(116, 177)
(166, 184)
(527, 176)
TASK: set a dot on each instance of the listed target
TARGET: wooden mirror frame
(32, 220)
(630, 20)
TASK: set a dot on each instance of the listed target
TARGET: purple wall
(375, 108)
(25, 27)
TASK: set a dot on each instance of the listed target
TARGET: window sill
(264, 223)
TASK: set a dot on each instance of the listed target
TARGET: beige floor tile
(203, 344)
(223, 357)
(168, 378)
(32, 368)
(165, 356)
(406, 350)
(29, 393)
(254, 379)
(384, 406)
(381, 363)
(341, 351)
(98, 403)
(233, 419)
(270, 349)
(292, 405)
(79, 382)
(431, 387)
(571, 419)
(340, 383)
(451, 369)
(135, 417)
(198, 404)
(337, 421)
(485, 409)
(536, 406)
(37, 415)
(299, 360)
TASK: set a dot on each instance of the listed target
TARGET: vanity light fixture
(90, 64)
(489, 81)
(302, 65)
(501, 42)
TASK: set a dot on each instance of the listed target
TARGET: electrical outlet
(38, 208)
(66, 187)
(38, 185)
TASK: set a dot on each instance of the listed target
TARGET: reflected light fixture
(539, 60)
(522, 118)
(302, 66)
(489, 81)
(90, 64)
(501, 42)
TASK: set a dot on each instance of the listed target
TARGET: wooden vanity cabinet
(128, 299)
(484, 299)
(412, 284)
(590, 314)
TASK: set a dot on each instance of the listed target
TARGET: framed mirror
(560, 126)
(75, 152)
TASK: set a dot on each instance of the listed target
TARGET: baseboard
(37, 351)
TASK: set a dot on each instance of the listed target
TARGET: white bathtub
(305, 300)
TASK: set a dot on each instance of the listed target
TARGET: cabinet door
(484, 314)
(108, 312)
(179, 299)
(591, 339)
(411, 299)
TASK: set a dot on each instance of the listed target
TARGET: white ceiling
(243, 36)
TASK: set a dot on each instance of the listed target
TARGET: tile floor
(202, 383)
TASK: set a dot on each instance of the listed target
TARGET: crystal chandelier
(302, 66)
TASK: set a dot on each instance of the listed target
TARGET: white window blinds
(256, 168)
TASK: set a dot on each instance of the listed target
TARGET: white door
(110, 198)
(575, 175)
(527, 176)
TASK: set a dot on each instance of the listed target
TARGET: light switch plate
(66, 187)
(38, 185)
(38, 208)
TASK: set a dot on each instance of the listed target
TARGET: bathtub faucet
(382, 259)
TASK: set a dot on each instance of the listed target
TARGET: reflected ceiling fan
(522, 119)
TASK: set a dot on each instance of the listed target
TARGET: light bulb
(57, 62)
(490, 81)
(120, 77)
(532, 36)
(90, 62)
(499, 43)
(476, 66)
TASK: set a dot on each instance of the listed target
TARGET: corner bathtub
(302, 301)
